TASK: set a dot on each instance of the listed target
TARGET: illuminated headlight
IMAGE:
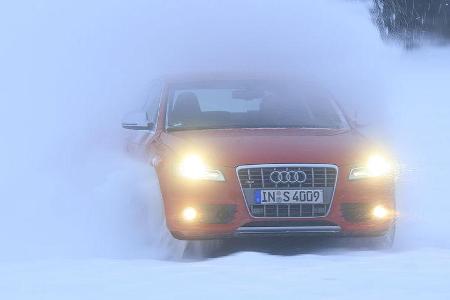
(376, 166)
(193, 167)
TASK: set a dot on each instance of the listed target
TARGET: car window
(219, 100)
(249, 104)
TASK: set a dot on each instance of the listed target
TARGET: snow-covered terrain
(80, 219)
(339, 275)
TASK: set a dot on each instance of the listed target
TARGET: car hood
(234, 147)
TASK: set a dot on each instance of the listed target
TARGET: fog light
(189, 214)
(380, 212)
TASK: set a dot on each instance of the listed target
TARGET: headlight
(376, 166)
(193, 167)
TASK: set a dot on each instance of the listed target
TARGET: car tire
(161, 242)
(176, 248)
(202, 249)
(383, 242)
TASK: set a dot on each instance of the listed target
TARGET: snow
(415, 274)
(80, 219)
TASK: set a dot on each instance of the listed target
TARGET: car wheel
(385, 241)
(164, 243)
(172, 248)
(161, 242)
(202, 249)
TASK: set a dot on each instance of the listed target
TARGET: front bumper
(223, 211)
(265, 231)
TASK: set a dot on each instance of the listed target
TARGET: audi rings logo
(288, 177)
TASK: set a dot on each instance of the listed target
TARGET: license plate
(289, 196)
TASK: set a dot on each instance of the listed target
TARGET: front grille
(255, 178)
(258, 178)
(289, 210)
(288, 223)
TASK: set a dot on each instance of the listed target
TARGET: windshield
(249, 104)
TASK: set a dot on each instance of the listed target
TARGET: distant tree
(413, 20)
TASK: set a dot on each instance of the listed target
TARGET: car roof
(300, 81)
(213, 76)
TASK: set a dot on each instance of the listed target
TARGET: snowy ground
(418, 274)
(80, 220)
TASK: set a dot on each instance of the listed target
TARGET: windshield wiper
(303, 126)
(176, 128)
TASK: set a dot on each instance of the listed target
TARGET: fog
(71, 69)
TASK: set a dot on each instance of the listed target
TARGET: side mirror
(137, 121)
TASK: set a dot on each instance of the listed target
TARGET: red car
(262, 156)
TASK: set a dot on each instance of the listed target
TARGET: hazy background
(69, 70)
